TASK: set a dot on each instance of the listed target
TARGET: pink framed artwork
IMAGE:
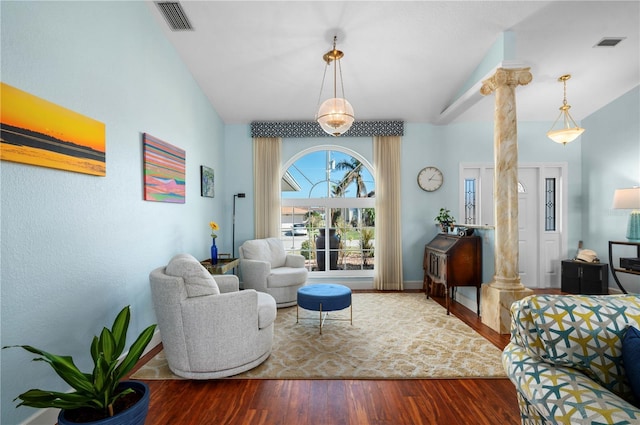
(164, 171)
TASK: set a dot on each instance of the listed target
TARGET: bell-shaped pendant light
(570, 131)
(335, 115)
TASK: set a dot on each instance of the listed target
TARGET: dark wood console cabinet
(453, 261)
(579, 277)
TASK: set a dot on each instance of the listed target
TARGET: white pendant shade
(335, 116)
(565, 135)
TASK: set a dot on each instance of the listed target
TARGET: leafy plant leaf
(119, 330)
(64, 367)
(107, 346)
(135, 351)
(44, 399)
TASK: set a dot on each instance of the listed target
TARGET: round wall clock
(430, 179)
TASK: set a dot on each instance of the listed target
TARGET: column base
(495, 305)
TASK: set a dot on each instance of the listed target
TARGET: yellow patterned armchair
(565, 359)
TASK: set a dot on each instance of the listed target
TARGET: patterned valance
(296, 129)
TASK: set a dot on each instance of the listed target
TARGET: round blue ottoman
(324, 297)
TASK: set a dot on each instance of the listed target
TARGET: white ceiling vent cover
(174, 15)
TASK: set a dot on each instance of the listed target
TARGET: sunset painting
(37, 132)
(164, 171)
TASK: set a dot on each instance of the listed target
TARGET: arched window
(328, 206)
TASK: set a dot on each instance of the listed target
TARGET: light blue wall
(238, 178)
(610, 161)
(77, 248)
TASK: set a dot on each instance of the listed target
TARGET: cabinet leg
(427, 285)
(446, 296)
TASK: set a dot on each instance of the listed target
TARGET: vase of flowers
(214, 248)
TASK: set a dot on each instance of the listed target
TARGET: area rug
(393, 336)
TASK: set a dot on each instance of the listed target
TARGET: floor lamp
(233, 237)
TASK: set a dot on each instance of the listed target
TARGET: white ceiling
(407, 60)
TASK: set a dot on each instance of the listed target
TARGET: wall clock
(430, 179)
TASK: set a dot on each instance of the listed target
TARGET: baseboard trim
(471, 304)
(43, 417)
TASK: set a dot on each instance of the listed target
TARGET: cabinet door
(437, 267)
(570, 277)
(465, 268)
(592, 280)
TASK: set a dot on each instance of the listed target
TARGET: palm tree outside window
(328, 211)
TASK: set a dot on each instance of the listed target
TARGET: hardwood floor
(337, 402)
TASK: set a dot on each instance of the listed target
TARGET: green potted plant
(445, 219)
(100, 397)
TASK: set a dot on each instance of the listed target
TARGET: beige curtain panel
(266, 184)
(388, 242)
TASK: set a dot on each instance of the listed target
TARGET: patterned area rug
(393, 336)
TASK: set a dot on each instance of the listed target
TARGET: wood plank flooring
(339, 402)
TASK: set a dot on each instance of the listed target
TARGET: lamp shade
(566, 135)
(627, 199)
(335, 116)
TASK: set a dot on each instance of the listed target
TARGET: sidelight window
(550, 205)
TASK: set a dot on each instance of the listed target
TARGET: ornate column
(505, 288)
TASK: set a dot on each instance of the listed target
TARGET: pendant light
(335, 115)
(570, 131)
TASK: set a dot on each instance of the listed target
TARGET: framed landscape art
(206, 182)
(38, 132)
(164, 171)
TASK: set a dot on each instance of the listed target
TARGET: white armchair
(209, 328)
(265, 267)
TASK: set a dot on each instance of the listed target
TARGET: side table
(615, 270)
(579, 277)
(223, 265)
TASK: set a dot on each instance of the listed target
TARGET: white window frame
(329, 202)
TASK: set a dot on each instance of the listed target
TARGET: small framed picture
(206, 182)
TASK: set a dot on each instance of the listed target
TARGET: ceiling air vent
(175, 16)
(609, 41)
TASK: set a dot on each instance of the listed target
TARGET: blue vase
(214, 252)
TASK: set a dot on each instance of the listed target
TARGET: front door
(541, 219)
(528, 219)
